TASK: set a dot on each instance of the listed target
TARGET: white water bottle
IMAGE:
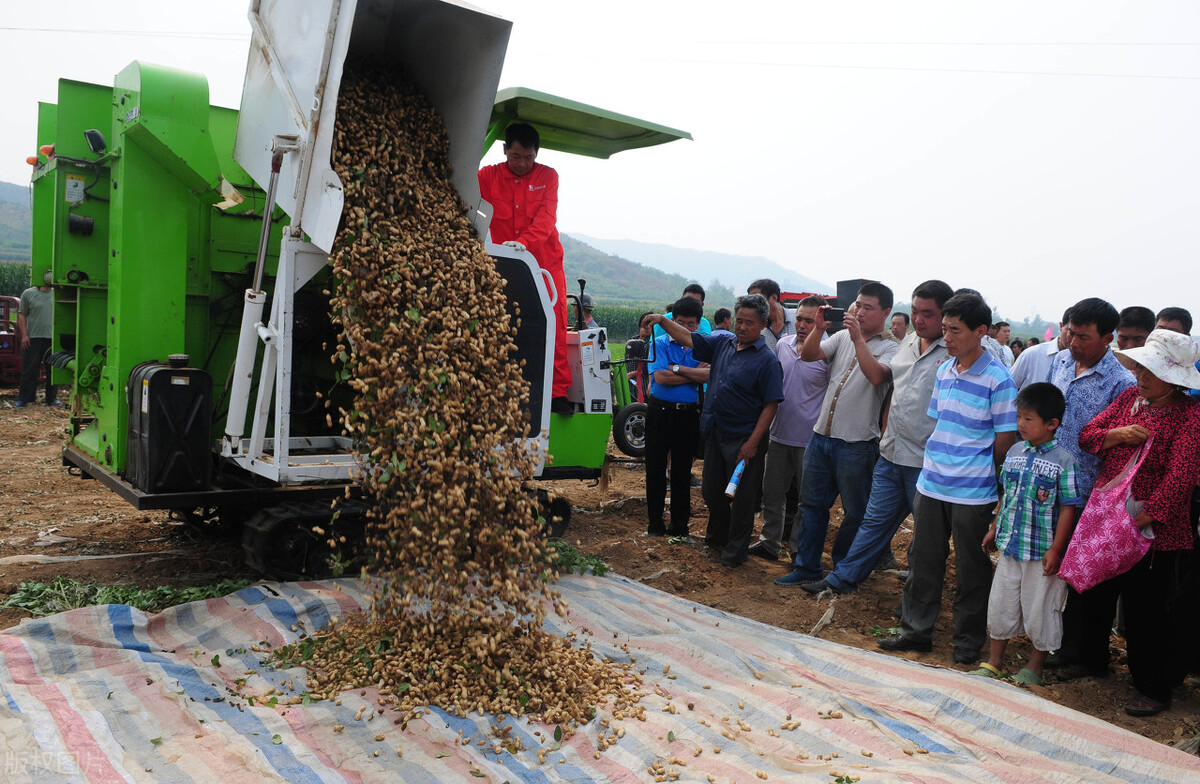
(731, 488)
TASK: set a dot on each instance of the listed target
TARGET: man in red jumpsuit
(524, 198)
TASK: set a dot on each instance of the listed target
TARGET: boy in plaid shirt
(1039, 480)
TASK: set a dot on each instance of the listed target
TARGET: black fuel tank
(170, 427)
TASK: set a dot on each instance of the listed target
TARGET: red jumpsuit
(526, 210)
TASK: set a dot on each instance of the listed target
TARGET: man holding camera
(840, 457)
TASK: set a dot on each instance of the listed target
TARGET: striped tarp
(109, 694)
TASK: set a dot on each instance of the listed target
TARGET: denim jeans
(832, 467)
(893, 489)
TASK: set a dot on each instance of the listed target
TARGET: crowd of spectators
(994, 445)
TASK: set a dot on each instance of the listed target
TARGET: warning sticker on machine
(145, 396)
(75, 184)
(587, 353)
(180, 381)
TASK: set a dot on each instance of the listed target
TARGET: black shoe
(964, 656)
(898, 642)
(696, 482)
(1143, 706)
(1071, 672)
(560, 405)
(654, 533)
(819, 586)
(732, 564)
(1056, 659)
(761, 551)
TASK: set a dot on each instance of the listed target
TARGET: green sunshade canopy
(570, 126)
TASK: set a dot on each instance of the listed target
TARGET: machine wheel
(280, 542)
(213, 522)
(629, 429)
(556, 513)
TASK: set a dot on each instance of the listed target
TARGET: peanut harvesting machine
(172, 226)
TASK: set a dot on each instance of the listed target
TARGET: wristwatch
(674, 368)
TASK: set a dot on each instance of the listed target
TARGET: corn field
(14, 278)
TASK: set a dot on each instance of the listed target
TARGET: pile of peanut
(463, 577)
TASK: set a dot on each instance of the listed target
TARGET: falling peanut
(436, 404)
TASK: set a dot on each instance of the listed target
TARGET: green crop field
(14, 278)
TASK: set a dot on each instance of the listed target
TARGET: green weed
(568, 559)
(39, 599)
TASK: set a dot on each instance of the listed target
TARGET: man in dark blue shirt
(673, 422)
(745, 386)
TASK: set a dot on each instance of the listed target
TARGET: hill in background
(618, 272)
(14, 194)
(16, 223)
(612, 280)
(735, 272)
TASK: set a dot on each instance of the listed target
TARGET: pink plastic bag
(1107, 542)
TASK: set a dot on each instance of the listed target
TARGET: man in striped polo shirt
(975, 404)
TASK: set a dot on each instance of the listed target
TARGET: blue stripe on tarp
(245, 722)
(943, 701)
(62, 656)
(469, 728)
(312, 610)
(633, 611)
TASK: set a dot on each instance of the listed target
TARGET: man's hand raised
(852, 325)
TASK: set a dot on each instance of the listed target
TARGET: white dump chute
(454, 53)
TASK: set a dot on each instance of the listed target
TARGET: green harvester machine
(189, 250)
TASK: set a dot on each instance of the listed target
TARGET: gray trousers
(785, 464)
(935, 523)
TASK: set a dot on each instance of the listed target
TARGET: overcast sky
(1039, 152)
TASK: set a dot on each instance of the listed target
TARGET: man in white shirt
(1034, 363)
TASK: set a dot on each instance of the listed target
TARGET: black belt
(673, 406)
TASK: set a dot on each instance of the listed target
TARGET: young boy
(974, 403)
(1039, 479)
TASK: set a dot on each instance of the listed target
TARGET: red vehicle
(10, 347)
(791, 299)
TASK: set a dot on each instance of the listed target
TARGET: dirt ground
(48, 514)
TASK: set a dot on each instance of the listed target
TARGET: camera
(834, 314)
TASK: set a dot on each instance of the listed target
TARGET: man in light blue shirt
(975, 405)
(1090, 378)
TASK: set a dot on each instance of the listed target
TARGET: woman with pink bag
(1157, 410)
